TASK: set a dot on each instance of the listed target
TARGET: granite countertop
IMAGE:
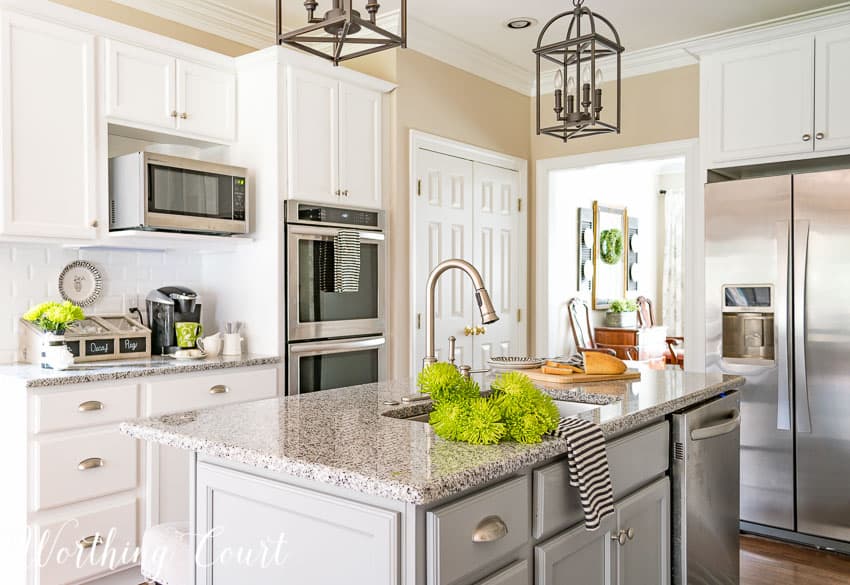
(33, 376)
(341, 437)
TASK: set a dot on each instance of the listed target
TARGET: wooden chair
(646, 318)
(579, 314)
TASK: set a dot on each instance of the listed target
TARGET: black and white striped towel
(347, 262)
(588, 466)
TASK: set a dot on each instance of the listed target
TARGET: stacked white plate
(514, 363)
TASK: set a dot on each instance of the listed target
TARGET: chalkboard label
(100, 347)
(132, 345)
(74, 346)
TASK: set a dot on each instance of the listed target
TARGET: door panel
(140, 85)
(645, 517)
(744, 222)
(443, 230)
(496, 254)
(822, 344)
(832, 90)
(576, 556)
(207, 99)
(360, 146)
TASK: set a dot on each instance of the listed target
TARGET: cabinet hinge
(519, 205)
(419, 320)
(419, 187)
(518, 315)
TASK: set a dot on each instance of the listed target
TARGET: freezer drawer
(705, 471)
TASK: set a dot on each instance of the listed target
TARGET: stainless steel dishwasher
(706, 493)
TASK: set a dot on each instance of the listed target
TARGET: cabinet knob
(94, 223)
(90, 463)
(345, 193)
(820, 135)
(339, 192)
(807, 137)
(90, 406)
(620, 537)
(184, 115)
(219, 389)
(630, 533)
(469, 331)
(173, 113)
(480, 331)
(491, 529)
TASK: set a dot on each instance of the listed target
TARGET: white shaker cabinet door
(206, 101)
(762, 100)
(49, 129)
(832, 90)
(360, 146)
(313, 153)
(139, 86)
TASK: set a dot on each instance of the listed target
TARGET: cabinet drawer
(82, 467)
(115, 525)
(84, 408)
(516, 574)
(477, 531)
(208, 390)
(634, 460)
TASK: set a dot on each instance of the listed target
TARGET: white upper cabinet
(781, 99)
(760, 100)
(140, 85)
(206, 101)
(360, 146)
(334, 147)
(313, 149)
(155, 91)
(832, 93)
(49, 130)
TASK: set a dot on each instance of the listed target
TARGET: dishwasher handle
(719, 429)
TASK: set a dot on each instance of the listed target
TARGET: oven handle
(326, 231)
(336, 346)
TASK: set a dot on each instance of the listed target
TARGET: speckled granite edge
(51, 378)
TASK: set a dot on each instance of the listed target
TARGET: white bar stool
(166, 558)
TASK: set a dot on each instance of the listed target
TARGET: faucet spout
(482, 297)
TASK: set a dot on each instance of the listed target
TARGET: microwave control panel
(239, 198)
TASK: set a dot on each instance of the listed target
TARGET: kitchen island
(347, 486)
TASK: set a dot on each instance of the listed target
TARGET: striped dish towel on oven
(588, 466)
(347, 262)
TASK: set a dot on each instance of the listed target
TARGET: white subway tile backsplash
(29, 275)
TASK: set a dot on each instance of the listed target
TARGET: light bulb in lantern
(599, 77)
(571, 84)
(585, 73)
(559, 80)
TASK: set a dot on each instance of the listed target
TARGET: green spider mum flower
(448, 418)
(483, 424)
(440, 380)
(528, 412)
(54, 317)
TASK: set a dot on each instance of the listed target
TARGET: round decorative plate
(633, 272)
(587, 270)
(81, 283)
(634, 243)
(515, 363)
(587, 238)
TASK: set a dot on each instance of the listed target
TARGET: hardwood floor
(767, 562)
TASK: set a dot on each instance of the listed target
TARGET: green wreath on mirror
(611, 246)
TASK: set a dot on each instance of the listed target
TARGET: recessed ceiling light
(520, 23)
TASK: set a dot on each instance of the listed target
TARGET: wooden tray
(553, 379)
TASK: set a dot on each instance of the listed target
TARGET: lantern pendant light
(327, 36)
(590, 40)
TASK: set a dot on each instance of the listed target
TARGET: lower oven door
(337, 363)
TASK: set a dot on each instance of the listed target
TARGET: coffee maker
(166, 306)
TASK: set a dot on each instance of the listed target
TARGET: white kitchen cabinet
(49, 130)
(760, 100)
(334, 147)
(832, 90)
(156, 91)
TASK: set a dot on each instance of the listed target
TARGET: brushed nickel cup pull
(90, 406)
(91, 541)
(491, 529)
(219, 389)
(91, 463)
(620, 537)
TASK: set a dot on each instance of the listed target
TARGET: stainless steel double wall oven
(334, 339)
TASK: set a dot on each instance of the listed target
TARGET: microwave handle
(337, 346)
(331, 232)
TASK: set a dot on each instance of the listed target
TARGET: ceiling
(470, 34)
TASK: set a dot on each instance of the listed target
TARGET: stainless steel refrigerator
(778, 312)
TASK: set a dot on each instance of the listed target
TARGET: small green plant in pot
(622, 313)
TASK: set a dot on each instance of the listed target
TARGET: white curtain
(673, 278)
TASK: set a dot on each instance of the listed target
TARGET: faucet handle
(465, 371)
(452, 340)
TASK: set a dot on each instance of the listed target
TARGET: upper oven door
(313, 312)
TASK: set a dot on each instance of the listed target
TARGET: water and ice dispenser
(748, 322)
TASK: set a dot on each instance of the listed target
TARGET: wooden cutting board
(551, 379)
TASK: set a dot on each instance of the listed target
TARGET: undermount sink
(565, 408)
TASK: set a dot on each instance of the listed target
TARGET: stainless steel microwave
(150, 191)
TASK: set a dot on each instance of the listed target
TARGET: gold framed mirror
(610, 279)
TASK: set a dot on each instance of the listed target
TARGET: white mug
(211, 345)
(232, 344)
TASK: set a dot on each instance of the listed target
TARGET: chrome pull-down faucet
(482, 297)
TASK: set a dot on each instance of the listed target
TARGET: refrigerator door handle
(783, 350)
(717, 430)
(801, 259)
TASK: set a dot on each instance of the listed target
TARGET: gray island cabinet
(340, 487)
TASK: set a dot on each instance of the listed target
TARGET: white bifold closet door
(469, 210)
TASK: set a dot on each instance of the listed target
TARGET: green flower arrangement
(515, 410)
(54, 317)
(623, 306)
(611, 245)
